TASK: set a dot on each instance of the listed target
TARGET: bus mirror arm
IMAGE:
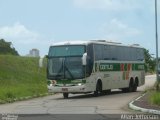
(84, 59)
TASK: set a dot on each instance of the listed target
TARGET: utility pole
(156, 27)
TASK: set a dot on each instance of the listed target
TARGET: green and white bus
(94, 66)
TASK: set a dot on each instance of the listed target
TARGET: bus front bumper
(67, 89)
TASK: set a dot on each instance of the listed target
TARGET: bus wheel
(135, 85)
(134, 88)
(98, 88)
(131, 86)
(65, 95)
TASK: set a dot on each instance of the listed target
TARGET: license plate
(64, 89)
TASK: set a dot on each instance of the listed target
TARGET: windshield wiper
(59, 74)
(69, 72)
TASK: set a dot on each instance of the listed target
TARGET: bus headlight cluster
(79, 84)
(53, 82)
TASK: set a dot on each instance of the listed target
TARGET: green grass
(155, 97)
(21, 77)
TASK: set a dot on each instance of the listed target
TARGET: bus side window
(106, 52)
(98, 55)
(106, 59)
(114, 59)
(139, 54)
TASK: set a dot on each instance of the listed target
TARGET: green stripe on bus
(138, 66)
(119, 66)
(70, 81)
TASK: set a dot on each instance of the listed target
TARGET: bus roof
(105, 42)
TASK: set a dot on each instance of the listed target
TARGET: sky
(37, 24)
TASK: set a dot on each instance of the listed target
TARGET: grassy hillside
(155, 98)
(20, 77)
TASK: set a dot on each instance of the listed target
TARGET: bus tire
(135, 85)
(130, 87)
(98, 88)
(65, 95)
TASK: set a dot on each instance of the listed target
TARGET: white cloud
(117, 30)
(24, 39)
(109, 4)
(19, 33)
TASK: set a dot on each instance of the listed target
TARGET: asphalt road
(54, 106)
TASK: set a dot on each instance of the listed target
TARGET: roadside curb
(134, 107)
(26, 98)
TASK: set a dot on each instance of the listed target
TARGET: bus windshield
(66, 50)
(65, 62)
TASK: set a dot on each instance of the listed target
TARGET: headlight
(79, 84)
(53, 82)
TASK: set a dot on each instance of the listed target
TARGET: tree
(6, 48)
(149, 61)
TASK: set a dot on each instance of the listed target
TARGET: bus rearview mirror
(84, 59)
